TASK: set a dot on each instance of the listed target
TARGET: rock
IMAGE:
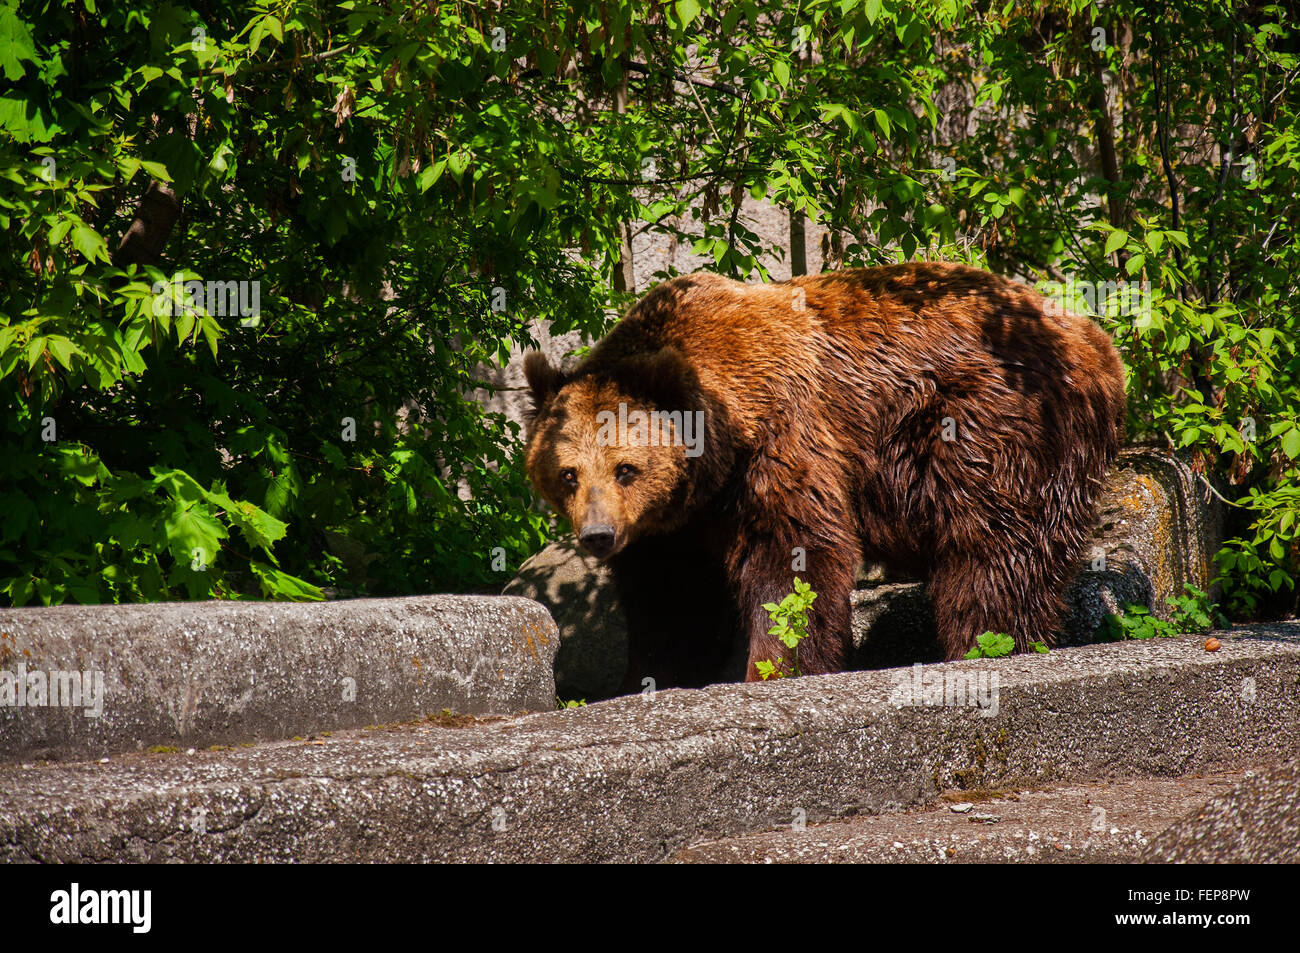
(1157, 529)
(580, 594)
(1257, 822)
(893, 624)
(195, 674)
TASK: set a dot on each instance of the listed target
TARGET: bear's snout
(597, 539)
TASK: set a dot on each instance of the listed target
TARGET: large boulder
(1158, 528)
(580, 593)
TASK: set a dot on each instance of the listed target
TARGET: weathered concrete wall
(204, 673)
(639, 777)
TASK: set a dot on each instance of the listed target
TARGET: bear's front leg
(762, 569)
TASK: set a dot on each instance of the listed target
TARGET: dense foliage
(411, 186)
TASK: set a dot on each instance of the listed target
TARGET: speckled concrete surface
(1257, 822)
(1104, 822)
(198, 674)
(638, 778)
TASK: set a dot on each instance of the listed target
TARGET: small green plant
(790, 625)
(1193, 612)
(1137, 622)
(993, 645)
(1039, 647)
(575, 703)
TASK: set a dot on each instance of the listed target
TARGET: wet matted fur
(930, 416)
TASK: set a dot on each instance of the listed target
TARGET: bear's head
(614, 447)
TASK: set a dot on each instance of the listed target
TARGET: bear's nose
(597, 540)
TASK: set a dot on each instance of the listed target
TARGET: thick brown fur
(827, 401)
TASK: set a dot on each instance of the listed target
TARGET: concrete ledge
(1258, 822)
(1100, 822)
(637, 778)
(198, 674)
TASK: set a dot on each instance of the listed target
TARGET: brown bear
(725, 438)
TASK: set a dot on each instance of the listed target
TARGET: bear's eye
(625, 473)
(569, 476)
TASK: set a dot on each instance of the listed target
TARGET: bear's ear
(543, 379)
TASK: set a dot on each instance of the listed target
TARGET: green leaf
(16, 45)
(281, 585)
(429, 175)
(17, 515)
(88, 241)
(255, 38)
(191, 528)
(156, 170)
(62, 349)
(687, 11)
(994, 645)
(59, 230)
(1291, 443)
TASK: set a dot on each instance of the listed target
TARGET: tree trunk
(155, 218)
(624, 272)
(798, 243)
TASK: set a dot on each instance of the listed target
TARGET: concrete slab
(638, 778)
(1108, 822)
(197, 674)
(1257, 822)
